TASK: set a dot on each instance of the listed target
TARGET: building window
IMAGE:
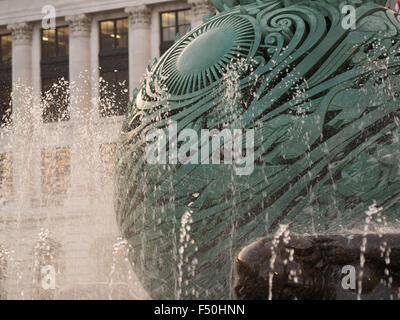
(173, 23)
(56, 168)
(5, 48)
(107, 154)
(114, 34)
(55, 74)
(6, 177)
(5, 79)
(114, 67)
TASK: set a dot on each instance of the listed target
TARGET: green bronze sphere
(322, 97)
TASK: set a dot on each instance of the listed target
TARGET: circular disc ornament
(200, 59)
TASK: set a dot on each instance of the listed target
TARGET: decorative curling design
(21, 32)
(80, 25)
(323, 103)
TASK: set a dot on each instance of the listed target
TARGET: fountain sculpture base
(320, 267)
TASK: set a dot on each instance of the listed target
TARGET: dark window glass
(5, 80)
(107, 34)
(184, 19)
(5, 104)
(122, 33)
(63, 41)
(114, 34)
(49, 46)
(55, 99)
(55, 42)
(5, 48)
(56, 170)
(114, 92)
(55, 74)
(114, 67)
(173, 23)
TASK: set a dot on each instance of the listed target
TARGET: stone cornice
(79, 24)
(21, 32)
(200, 7)
(139, 16)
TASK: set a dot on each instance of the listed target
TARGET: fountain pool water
(58, 235)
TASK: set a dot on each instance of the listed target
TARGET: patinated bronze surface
(323, 103)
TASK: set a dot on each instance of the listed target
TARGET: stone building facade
(58, 236)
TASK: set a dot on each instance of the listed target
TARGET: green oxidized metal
(323, 103)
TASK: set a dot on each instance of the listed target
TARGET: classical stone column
(79, 64)
(80, 108)
(21, 53)
(81, 191)
(139, 43)
(199, 9)
(21, 145)
(37, 119)
(22, 111)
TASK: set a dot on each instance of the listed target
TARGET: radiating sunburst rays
(242, 45)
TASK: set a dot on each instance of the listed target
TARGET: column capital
(80, 24)
(200, 7)
(21, 32)
(139, 16)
